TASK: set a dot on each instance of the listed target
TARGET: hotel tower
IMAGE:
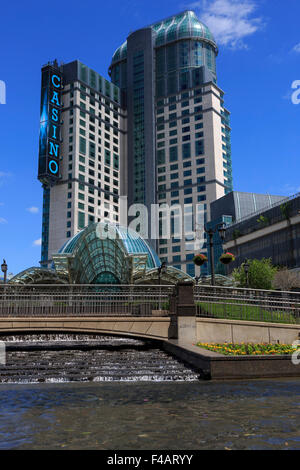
(158, 133)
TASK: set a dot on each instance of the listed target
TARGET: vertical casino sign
(50, 122)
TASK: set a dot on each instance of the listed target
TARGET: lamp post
(210, 232)
(4, 270)
(161, 270)
(197, 279)
(246, 269)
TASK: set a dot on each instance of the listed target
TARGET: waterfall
(55, 358)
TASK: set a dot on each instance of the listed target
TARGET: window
(199, 147)
(188, 191)
(81, 219)
(160, 156)
(190, 269)
(188, 200)
(82, 145)
(173, 154)
(186, 150)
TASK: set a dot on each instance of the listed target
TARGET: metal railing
(84, 300)
(146, 300)
(247, 304)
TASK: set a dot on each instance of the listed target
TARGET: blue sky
(259, 55)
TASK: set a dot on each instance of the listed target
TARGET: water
(121, 416)
(125, 394)
(79, 358)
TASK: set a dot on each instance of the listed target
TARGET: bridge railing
(80, 300)
(247, 304)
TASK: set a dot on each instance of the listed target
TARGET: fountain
(54, 358)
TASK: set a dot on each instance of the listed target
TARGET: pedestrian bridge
(146, 327)
(221, 314)
(141, 311)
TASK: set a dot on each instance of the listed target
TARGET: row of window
(174, 132)
(175, 166)
(183, 96)
(183, 104)
(173, 116)
(185, 149)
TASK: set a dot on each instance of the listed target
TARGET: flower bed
(244, 349)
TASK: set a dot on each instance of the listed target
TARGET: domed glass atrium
(103, 253)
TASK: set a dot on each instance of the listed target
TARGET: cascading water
(72, 358)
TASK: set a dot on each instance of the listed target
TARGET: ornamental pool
(160, 415)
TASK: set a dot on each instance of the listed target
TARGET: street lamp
(197, 279)
(4, 270)
(246, 269)
(161, 270)
(210, 232)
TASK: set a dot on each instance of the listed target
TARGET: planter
(227, 258)
(199, 260)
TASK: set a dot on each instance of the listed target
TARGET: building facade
(229, 209)
(272, 233)
(179, 150)
(239, 205)
(158, 133)
(92, 154)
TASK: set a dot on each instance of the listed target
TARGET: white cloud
(230, 21)
(296, 48)
(33, 210)
(37, 242)
(3, 221)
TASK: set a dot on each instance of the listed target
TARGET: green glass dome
(183, 26)
(103, 253)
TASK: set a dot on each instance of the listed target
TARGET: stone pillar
(183, 312)
(185, 304)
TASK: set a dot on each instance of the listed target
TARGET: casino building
(158, 133)
(81, 170)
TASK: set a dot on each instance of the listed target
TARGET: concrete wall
(211, 330)
(148, 327)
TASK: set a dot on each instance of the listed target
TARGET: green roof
(184, 25)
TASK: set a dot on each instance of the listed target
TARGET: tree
(260, 275)
(286, 280)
